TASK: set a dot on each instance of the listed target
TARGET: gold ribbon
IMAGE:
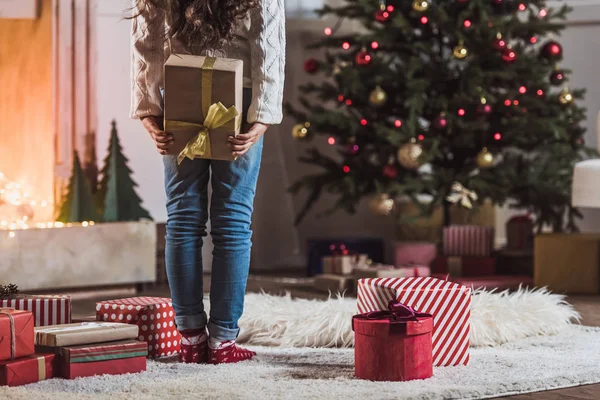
(13, 335)
(41, 368)
(462, 195)
(215, 116)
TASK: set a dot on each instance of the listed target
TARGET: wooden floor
(588, 306)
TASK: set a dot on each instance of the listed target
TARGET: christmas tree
(78, 204)
(442, 102)
(116, 192)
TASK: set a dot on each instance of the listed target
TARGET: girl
(253, 31)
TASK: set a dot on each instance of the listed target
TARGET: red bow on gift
(340, 250)
(396, 312)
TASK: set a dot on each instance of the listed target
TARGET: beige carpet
(533, 364)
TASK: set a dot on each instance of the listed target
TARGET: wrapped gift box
(464, 266)
(16, 334)
(73, 360)
(514, 262)
(411, 253)
(495, 282)
(519, 233)
(83, 333)
(448, 302)
(154, 316)
(344, 264)
(192, 85)
(388, 271)
(319, 248)
(26, 370)
(393, 346)
(47, 310)
(334, 283)
(468, 240)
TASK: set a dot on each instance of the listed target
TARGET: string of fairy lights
(18, 209)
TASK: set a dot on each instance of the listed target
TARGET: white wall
(276, 241)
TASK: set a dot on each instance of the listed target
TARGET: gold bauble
(565, 96)
(381, 204)
(460, 51)
(409, 155)
(485, 159)
(378, 97)
(300, 131)
(420, 5)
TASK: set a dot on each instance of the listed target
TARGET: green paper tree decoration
(116, 192)
(78, 205)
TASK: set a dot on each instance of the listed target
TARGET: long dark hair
(204, 23)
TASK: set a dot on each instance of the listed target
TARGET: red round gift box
(387, 350)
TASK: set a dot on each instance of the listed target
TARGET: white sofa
(586, 179)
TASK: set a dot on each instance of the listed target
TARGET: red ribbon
(397, 312)
(13, 334)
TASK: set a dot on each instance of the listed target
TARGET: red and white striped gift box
(155, 317)
(448, 302)
(47, 310)
(468, 240)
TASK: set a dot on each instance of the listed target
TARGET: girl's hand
(162, 139)
(242, 143)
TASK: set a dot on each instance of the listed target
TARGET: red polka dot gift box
(154, 316)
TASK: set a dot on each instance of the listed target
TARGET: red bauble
(311, 66)
(552, 50)
(440, 122)
(509, 55)
(382, 15)
(390, 171)
(484, 109)
(363, 57)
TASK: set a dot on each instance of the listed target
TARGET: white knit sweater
(259, 41)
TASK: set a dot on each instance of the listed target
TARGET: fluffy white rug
(528, 365)
(496, 318)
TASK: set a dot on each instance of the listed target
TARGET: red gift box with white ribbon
(154, 316)
(468, 240)
(448, 302)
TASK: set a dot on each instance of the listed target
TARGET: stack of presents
(466, 255)
(39, 341)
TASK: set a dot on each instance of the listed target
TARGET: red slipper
(194, 346)
(228, 352)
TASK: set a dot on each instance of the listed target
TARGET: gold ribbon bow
(462, 195)
(215, 116)
(13, 335)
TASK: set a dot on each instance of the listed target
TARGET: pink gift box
(409, 253)
(448, 302)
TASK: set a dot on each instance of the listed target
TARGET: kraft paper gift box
(334, 283)
(316, 249)
(83, 333)
(47, 310)
(344, 264)
(421, 253)
(203, 105)
(154, 316)
(388, 271)
(468, 240)
(16, 334)
(448, 302)
(26, 370)
(394, 345)
(114, 358)
(464, 266)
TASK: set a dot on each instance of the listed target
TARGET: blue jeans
(233, 188)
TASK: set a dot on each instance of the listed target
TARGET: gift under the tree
(468, 240)
(83, 333)
(344, 264)
(519, 233)
(464, 266)
(448, 302)
(47, 310)
(16, 334)
(319, 248)
(334, 283)
(495, 282)
(389, 271)
(99, 358)
(154, 316)
(26, 370)
(203, 105)
(411, 253)
(514, 262)
(393, 345)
